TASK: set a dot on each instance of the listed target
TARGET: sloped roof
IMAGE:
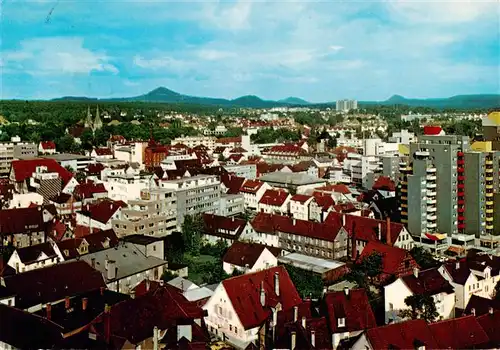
(244, 293)
(87, 189)
(233, 183)
(302, 198)
(354, 307)
(324, 201)
(384, 183)
(242, 254)
(213, 224)
(490, 323)
(48, 145)
(428, 282)
(274, 197)
(339, 188)
(104, 151)
(17, 220)
(24, 169)
(459, 333)
(31, 253)
(404, 335)
(53, 283)
(269, 223)
(392, 257)
(102, 211)
(251, 186)
(481, 305)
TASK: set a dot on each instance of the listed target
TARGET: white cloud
(160, 62)
(213, 54)
(57, 55)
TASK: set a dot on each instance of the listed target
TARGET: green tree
(307, 282)
(420, 307)
(175, 248)
(372, 264)
(192, 230)
(65, 143)
(69, 168)
(423, 257)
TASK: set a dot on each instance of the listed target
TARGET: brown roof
(242, 254)
(428, 282)
(53, 283)
(217, 225)
(31, 253)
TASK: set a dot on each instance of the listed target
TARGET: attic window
(341, 322)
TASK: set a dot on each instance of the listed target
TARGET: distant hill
(294, 101)
(164, 95)
(458, 102)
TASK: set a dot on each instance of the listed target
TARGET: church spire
(88, 120)
(97, 121)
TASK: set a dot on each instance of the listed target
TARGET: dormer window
(341, 322)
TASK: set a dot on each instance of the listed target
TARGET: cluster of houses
(85, 254)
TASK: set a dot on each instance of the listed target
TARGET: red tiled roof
(289, 148)
(354, 307)
(81, 231)
(339, 188)
(101, 240)
(145, 287)
(269, 223)
(384, 183)
(214, 224)
(87, 189)
(392, 257)
(244, 293)
(302, 198)
(232, 182)
(94, 168)
(491, 325)
(238, 150)
(235, 157)
(104, 151)
(344, 207)
(69, 247)
(323, 200)
(17, 220)
(219, 149)
(24, 169)
(459, 333)
(251, 186)
(274, 197)
(48, 145)
(58, 230)
(242, 254)
(366, 229)
(236, 139)
(102, 211)
(264, 168)
(428, 282)
(53, 283)
(402, 335)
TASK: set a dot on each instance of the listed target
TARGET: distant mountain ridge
(164, 95)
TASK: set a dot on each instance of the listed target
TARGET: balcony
(489, 178)
(461, 226)
(460, 202)
(431, 185)
(461, 210)
(489, 227)
(461, 186)
(431, 217)
(431, 201)
(489, 194)
(460, 154)
(460, 193)
(489, 202)
(431, 225)
(431, 193)
(460, 162)
(489, 170)
(461, 218)
(431, 177)
(489, 162)
(489, 211)
(405, 213)
(431, 209)
(431, 170)
(489, 187)
(404, 190)
(460, 170)
(489, 218)
(404, 198)
(404, 205)
(461, 178)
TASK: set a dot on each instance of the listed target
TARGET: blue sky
(319, 51)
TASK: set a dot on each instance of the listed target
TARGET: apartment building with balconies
(195, 194)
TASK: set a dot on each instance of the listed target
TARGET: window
(391, 306)
(235, 329)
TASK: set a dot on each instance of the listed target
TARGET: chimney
(415, 272)
(473, 312)
(313, 339)
(262, 295)
(295, 313)
(457, 264)
(294, 221)
(389, 238)
(294, 341)
(107, 324)
(232, 218)
(155, 338)
(346, 291)
(85, 302)
(102, 290)
(490, 310)
(49, 311)
(277, 284)
(67, 303)
(379, 231)
(93, 263)
(304, 322)
(148, 284)
(111, 270)
(343, 220)
(161, 283)
(325, 290)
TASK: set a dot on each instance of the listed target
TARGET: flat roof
(291, 178)
(65, 156)
(141, 239)
(310, 263)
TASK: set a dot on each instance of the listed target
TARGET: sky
(316, 50)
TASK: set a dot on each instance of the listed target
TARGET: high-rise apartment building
(15, 149)
(491, 129)
(346, 105)
(435, 161)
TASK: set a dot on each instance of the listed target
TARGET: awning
(435, 236)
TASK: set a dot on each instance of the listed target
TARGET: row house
(103, 152)
(228, 229)
(274, 202)
(73, 248)
(427, 282)
(320, 206)
(322, 240)
(474, 275)
(241, 305)
(299, 206)
(100, 215)
(287, 152)
(253, 191)
(249, 257)
(35, 257)
(23, 227)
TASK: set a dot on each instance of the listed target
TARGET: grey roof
(198, 293)
(182, 284)
(65, 156)
(310, 263)
(128, 259)
(291, 178)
